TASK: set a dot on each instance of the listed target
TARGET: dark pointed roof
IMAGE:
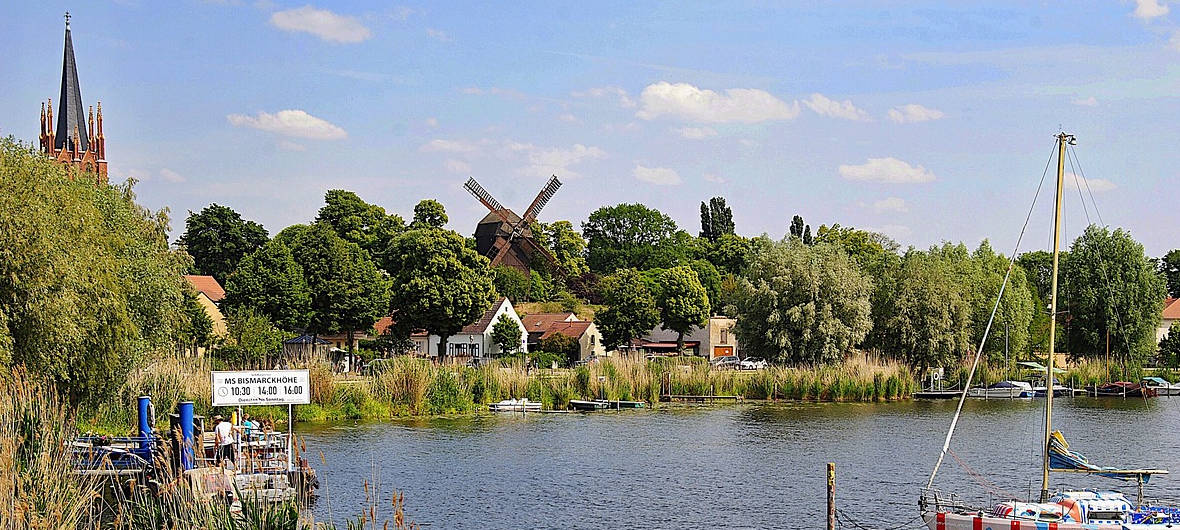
(69, 107)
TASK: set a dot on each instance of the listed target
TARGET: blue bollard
(186, 435)
(145, 422)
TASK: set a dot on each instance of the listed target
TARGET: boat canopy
(1062, 459)
(1156, 380)
(1039, 367)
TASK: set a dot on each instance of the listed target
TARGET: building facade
(715, 339)
(474, 342)
(76, 139)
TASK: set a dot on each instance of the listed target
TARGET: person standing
(224, 435)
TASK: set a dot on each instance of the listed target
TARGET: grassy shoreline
(410, 387)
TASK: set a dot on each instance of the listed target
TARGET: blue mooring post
(145, 422)
(186, 435)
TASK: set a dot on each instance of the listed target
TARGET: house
(209, 295)
(474, 341)
(538, 323)
(715, 339)
(1171, 316)
(584, 331)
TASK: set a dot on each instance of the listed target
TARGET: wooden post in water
(831, 496)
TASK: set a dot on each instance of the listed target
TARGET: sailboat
(1065, 510)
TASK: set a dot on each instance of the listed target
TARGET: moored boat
(1003, 390)
(1161, 386)
(1123, 389)
(514, 405)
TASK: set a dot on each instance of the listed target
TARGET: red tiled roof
(484, 321)
(573, 329)
(381, 325)
(539, 322)
(207, 285)
(1172, 309)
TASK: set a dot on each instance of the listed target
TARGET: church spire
(70, 114)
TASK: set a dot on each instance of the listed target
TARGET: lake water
(742, 466)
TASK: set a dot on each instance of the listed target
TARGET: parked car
(727, 361)
(752, 363)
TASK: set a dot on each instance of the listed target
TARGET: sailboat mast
(1062, 139)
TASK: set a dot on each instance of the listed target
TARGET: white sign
(261, 387)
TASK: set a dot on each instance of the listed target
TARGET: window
(474, 350)
(725, 336)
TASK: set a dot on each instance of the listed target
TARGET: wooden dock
(684, 398)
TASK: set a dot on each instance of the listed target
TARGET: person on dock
(224, 436)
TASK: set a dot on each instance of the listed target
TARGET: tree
(512, 283)
(709, 277)
(630, 308)
(1016, 311)
(927, 322)
(89, 287)
(566, 244)
(1169, 268)
(716, 219)
(217, 238)
(683, 302)
(630, 235)
(801, 231)
(807, 240)
(802, 304)
(562, 345)
(270, 282)
(439, 284)
(1038, 268)
(357, 221)
(1169, 347)
(729, 253)
(196, 329)
(252, 339)
(429, 213)
(506, 335)
(348, 293)
(1111, 287)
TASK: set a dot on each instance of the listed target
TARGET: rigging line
(1118, 321)
(1078, 185)
(946, 444)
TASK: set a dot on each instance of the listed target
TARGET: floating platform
(620, 404)
(937, 394)
(699, 399)
(581, 404)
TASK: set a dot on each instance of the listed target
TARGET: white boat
(513, 405)
(1161, 386)
(1066, 510)
(1003, 390)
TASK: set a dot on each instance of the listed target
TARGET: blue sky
(926, 121)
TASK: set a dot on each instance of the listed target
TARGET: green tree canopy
(1038, 269)
(357, 221)
(196, 328)
(218, 238)
(512, 283)
(348, 293)
(630, 308)
(802, 304)
(1110, 285)
(1169, 267)
(729, 253)
(927, 321)
(506, 335)
(1169, 347)
(683, 302)
(716, 219)
(252, 339)
(439, 284)
(563, 345)
(566, 244)
(271, 283)
(88, 284)
(630, 236)
(429, 213)
(709, 277)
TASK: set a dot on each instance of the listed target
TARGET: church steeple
(70, 112)
(77, 139)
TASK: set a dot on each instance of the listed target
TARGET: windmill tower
(507, 238)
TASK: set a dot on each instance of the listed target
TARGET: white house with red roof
(1171, 316)
(474, 341)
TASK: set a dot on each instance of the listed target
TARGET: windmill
(507, 238)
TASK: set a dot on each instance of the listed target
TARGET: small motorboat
(1059, 390)
(1124, 389)
(514, 405)
(1003, 390)
(1161, 386)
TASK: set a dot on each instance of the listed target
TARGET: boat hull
(955, 521)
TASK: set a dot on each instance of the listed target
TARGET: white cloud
(689, 103)
(714, 178)
(438, 145)
(891, 204)
(568, 118)
(457, 166)
(1085, 102)
(287, 145)
(438, 34)
(1073, 182)
(322, 23)
(624, 99)
(431, 122)
(886, 170)
(913, 113)
(660, 176)
(168, 175)
(1149, 9)
(556, 161)
(296, 123)
(836, 109)
(695, 133)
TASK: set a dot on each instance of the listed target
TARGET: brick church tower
(77, 140)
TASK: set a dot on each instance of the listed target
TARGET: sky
(927, 121)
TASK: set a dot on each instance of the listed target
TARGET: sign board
(261, 387)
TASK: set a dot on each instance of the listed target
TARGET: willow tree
(802, 304)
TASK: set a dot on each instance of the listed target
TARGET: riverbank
(416, 387)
